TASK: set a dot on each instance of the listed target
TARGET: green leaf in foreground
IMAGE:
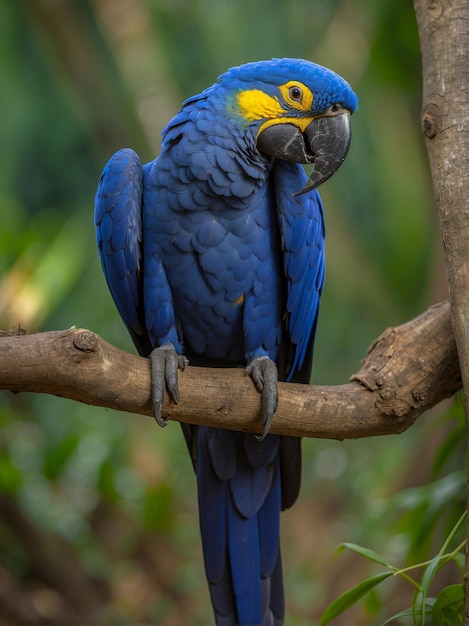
(448, 607)
(371, 555)
(350, 597)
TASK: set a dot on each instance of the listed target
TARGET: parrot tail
(239, 489)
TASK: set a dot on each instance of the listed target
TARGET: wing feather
(302, 230)
(118, 221)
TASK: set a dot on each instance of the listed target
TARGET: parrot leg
(263, 372)
(165, 362)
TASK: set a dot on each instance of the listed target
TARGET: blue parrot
(214, 252)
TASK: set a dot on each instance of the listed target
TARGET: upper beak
(324, 142)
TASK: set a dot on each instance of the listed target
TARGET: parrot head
(298, 111)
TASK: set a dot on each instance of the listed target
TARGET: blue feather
(249, 488)
(213, 494)
(269, 526)
(245, 566)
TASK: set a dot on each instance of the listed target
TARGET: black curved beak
(324, 142)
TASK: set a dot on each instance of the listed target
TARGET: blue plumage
(208, 252)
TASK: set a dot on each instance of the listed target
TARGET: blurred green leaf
(44, 275)
(422, 597)
(158, 508)
(107, 482)
(11, 478)
(422, 508)
(452, 449)
(57, 454)
(371, 555)
(351, 597)
(448, 606)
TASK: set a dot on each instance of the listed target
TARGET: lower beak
(324, 142)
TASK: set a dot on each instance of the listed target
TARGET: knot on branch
(81, 345)
(431, 117)
(389, 398)
(421, 393)
(435, 9)
(85, 340)
(390, 404)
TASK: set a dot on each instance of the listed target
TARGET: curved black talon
(263, 372)
(165, 362)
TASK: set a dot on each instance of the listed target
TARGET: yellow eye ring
(297, 96)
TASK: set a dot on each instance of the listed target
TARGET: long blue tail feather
(239, 488)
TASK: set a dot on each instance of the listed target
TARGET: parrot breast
(212, 217)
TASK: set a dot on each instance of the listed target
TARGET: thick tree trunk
(444, 37)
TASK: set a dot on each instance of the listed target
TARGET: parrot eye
(335, 108)
(295, 93)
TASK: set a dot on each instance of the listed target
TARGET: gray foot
(165, 362)
(263, 372)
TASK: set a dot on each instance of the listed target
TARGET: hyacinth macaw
(214, 252)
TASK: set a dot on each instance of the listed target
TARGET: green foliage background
(98, 518)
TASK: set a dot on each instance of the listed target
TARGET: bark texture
(444, 39)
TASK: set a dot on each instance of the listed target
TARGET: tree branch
(408, 369)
